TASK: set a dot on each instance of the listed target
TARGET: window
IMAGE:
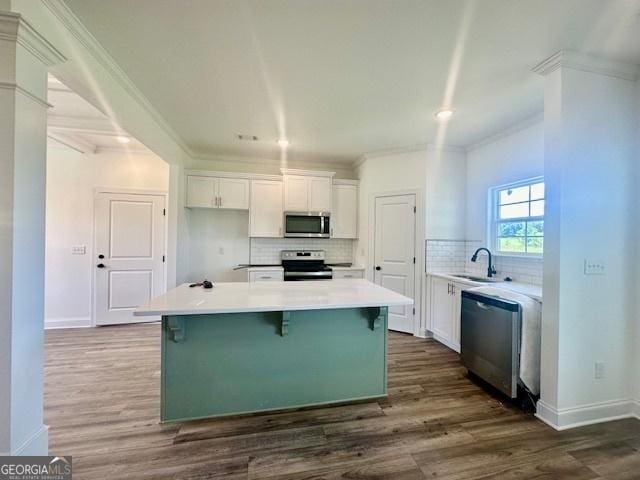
(518, 218)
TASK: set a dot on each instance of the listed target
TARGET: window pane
(537, 208)
(511, 244)
(517, 210)
(535, 229)
(537, 191)
(511, 229)
(513, 195)
(534, 245)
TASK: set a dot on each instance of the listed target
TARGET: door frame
(419, 326)
(94, 248)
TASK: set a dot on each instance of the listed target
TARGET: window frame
(494, 221)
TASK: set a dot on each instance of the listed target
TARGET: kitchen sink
(477, 279)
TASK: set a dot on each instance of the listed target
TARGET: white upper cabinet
(307, 191)
(266, 214)
(296, 193)
(233, 193)
(214, 192)
(319, 194)
(201, 192)
(344, 215)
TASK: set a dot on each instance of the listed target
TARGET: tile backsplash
(266, 251)
(455, 256)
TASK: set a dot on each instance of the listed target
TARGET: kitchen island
(252, 347)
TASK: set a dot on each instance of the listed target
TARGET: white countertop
(353, 267)
(272, 297)
(263, 268)
(528, 289)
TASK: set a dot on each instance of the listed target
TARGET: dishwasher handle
(491, 301)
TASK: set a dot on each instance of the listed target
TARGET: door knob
(100, 256)
(378, 268)
(100, 265)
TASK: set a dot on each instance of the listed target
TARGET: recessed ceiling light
(443, 115)
(283, 142)
(123, 139)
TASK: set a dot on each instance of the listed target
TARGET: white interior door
(129, 255)
(394, 254)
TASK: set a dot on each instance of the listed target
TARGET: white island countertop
(272, 297)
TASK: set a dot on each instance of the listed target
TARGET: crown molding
(587, 63)
(418, 147)
(220, 174)
(124, 149)
(345, 181)
(71, 141)
(513, 129)
(14, 28)
(301, 162)
(75, 27)
(312, 173)
(17, 88)
(91, 125)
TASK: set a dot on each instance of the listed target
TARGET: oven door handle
(308, 274)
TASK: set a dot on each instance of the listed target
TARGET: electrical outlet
(78, 250)
(594, 266)
(221, 250)
(599, 370)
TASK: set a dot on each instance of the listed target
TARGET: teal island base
(236, 363)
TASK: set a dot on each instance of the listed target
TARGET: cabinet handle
(453, 289)
(220, 200)
(348, 276)
(280, 231)
(266, 277)
(332, 232)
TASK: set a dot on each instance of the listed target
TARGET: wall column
(590, 117)
(24, 58)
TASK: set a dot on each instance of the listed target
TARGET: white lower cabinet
(347, 273)
(444, 310)
(265, 275)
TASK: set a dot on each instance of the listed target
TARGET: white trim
(75, 27)
(507, 132)
(418, 147)
(14, 28)
(37, 444)
(125, 150)
(447, 343)
(587, 63)
(309, 173)
(130, 191)
(572, 417)
(218, 174)
(71, 322)
(343, 181)
(31, 96)
(418, 247)
(69, 140)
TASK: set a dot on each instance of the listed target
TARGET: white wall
(510, 157)
(71, 180)
(590, 166)
(439, 175)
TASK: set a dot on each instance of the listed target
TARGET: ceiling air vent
(247, 138)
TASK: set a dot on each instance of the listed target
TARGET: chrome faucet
(491, 271)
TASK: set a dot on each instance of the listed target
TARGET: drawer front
(266, 276)
(338, 274)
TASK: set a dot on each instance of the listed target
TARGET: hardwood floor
(102, 403)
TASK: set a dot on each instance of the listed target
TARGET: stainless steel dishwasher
(490, 340)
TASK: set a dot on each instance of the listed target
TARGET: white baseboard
(72, 322)
(422, 333)
(566, 418)
(448, 343)
(37, 444)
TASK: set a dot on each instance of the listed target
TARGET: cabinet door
(355, 273)
(296, 192)
(201, 192)
(266, 276)
(344, 214)
(265, 215)
(319, 194)
(441, 309)
(457, 311)
(233, 193)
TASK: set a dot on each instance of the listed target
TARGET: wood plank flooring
(102, 405)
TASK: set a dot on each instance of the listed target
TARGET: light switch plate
(594, 266)
(78, 250)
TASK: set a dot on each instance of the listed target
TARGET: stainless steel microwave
(307, 224)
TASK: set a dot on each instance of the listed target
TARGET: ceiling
(340, 78)
(76, 124)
